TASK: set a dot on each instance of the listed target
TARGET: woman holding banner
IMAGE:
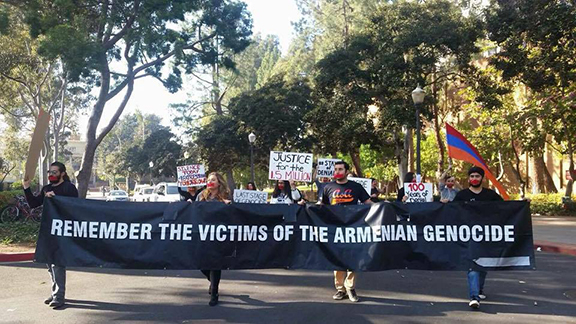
(216, 191)
(285, 192)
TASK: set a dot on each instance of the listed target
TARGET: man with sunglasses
(60, 185)
(476, 193)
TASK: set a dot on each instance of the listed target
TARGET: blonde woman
(216, 191)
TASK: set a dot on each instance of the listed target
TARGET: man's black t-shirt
(66, 189)
(349, 193)
(484, 195)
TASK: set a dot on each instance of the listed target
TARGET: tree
(251, 69)
(161, 148)
(137, 35)
(222, 144)
(128, 138)
(429, 43)
(536, 41)
(276, 113)
(30, 83)
(343, 95)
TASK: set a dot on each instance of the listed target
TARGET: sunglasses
(53, 172)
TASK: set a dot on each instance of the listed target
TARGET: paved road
(547, 295)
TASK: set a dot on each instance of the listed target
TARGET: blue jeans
(476, 283)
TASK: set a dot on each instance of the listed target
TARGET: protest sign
(290, 166)
(250, 196)
(366, 183)
(192, 175)
(36, 144)
(325, 168)
(418, 192)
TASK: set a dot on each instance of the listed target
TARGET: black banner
(208, 235)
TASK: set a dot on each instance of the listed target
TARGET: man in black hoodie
(60, 185)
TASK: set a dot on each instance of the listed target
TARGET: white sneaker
(482, 296)
(474, 304)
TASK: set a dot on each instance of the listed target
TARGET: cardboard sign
(418, 192)
(192, 175)
(36, 144)
(250, 196)
(325, 168)
(366, 183)
(290, 166)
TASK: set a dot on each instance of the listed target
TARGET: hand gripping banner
(208, 235)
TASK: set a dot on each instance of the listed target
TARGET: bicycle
(18, 209)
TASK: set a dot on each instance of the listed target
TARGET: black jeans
(214, 277)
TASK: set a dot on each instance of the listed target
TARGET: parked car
(166, 191)
(143, 194)
(117, 195)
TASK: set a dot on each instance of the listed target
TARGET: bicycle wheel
(36, 214)
(9, 214)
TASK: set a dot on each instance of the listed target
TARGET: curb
(16, 257)
(562, 248)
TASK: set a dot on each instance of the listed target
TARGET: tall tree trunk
(58, 121)
(355, 156)
(570, 184)
(517, 171)
(92, 141)
(544, 182)
(230, 181)
(400, 154)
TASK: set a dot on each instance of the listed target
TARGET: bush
(7, 196)
(19, 232)
(550, 204)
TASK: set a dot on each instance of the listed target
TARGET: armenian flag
(460, 148)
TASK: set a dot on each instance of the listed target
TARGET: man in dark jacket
(60, 185)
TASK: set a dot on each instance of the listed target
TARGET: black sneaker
(474, 304)
(56, 303)
(213, 300)
(352, 295)
(339, 295)
(48, 300)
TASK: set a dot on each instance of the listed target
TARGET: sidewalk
(555, 234)
(551, 234)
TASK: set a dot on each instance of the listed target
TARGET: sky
(270, 17)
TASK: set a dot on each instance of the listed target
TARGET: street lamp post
(252, 139)
(418, 98)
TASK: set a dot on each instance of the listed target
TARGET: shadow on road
(305, 296)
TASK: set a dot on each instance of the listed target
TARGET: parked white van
(166, 191)
(143, 193)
